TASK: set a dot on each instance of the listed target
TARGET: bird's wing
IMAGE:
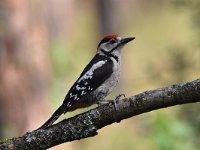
(95, 73)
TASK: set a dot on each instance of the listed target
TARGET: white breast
(110, 84)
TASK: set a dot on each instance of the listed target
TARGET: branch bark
(86, 124)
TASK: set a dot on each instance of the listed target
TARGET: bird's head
(112, 44)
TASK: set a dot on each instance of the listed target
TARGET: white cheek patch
(108, 46)
(105, 47)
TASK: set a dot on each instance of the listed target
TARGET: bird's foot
(120, 96)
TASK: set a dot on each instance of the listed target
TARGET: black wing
(95, 73)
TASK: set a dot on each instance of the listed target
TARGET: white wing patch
(89, 73)
(83, 93)
(71, 96)
(89, 88)
(78, 89)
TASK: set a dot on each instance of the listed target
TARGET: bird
(97, 80)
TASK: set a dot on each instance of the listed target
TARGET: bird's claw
(117, 99)
(120, 96)
(99, 103)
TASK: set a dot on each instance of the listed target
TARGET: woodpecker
(97, 80)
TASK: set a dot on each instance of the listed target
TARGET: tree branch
(86, 124)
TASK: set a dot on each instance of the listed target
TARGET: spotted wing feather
(95, 73)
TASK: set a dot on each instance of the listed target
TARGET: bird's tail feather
(54, 117)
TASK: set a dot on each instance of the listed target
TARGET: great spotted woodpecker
(97, 80)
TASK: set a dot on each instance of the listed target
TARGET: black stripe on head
(110, 55)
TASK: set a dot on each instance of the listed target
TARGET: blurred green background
(44, 46)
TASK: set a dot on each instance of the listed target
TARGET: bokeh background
(44, 46)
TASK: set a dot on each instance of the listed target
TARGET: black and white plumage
(97, 80)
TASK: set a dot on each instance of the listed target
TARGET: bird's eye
(112, 41)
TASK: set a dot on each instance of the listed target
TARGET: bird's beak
(126, 40)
